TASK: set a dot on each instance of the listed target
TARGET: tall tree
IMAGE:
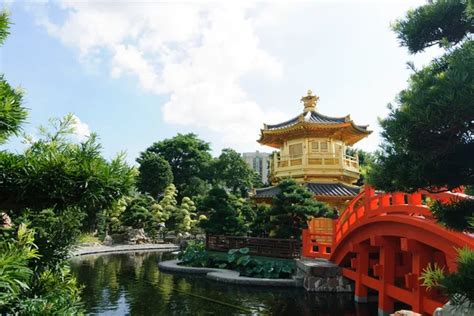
(429, 136)
(365, 163)
(154, 174)
(187, 155)
(12, 113)
(292, 207)
(33, 282)
(224, 214)
(232, 172)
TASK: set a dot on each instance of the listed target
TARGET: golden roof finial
(310, 101)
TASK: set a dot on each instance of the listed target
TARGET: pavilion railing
(270, 247)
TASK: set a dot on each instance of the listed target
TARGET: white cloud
(81, 129)
(196, 53)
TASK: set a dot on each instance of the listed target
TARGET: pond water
(131, 284)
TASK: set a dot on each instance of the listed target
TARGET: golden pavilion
(312, 151)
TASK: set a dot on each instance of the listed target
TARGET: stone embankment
(225, 276)
(97, 249)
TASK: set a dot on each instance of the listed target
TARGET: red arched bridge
(383, 241)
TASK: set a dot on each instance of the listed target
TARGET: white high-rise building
(259, 162)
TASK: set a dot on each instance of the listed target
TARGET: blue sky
(139, 73)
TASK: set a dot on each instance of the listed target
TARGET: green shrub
(195, 255)
(15, 275)
(458, 286)
(28, 289)
(87, 238)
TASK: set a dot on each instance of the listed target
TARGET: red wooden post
(385, 270)
(369, 194)
(306, 243)
(415, 198)
(398, 198)
(421, 256)
(361, 265)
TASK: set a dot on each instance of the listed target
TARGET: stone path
(87, 250)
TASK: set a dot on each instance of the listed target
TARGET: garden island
(332, 230)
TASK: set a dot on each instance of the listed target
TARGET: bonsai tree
(292, 208)
(224, 215)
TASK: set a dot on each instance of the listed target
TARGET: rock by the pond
(448, 309)
(108, 241)
(136, 236)
(320, 275)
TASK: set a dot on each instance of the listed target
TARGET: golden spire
(310, 101)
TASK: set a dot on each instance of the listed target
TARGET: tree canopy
(231, 171)
(441, 22)
(155, 174)
(187, 155)
(428, 136)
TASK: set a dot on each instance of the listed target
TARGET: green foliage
(232, 172)
(292, 208)
(257, 181)
(225, 214)
(440, 22)
(87, 238)
(237, 259)
(57, 173)
(12, 114)
(194, 255)
(469, 190)
(366, 160)
(184, 217)
(260, 226)
(428, 137)
(25, 289)
(188, 157)
(4, 26)
(168, 202)
(456, 215)
(458, 286)
(15, 275)
(196, 188)
(240, 260)
(108, 220)
(54, 231)
(57, 293)
(137, 214)
(154, 174)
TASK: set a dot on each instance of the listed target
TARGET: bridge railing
(318, 243)
(318, 238)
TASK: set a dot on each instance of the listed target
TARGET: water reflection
(131, 284)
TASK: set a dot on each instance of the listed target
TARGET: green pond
(131, 284)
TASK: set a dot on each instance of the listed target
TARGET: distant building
(259, 162)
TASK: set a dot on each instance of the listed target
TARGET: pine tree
(292, 208)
